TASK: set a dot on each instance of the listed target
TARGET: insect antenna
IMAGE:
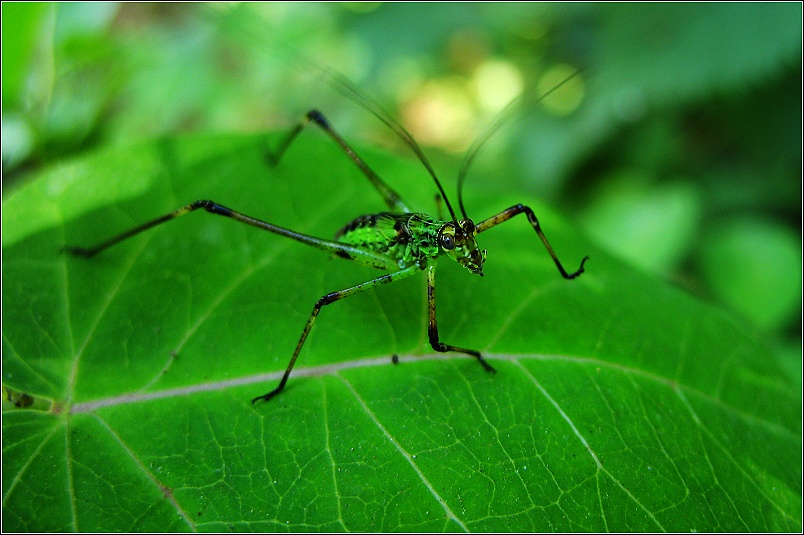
(496, 124)
(345, 86)
(342, 84)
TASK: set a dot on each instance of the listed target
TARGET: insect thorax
(408, 239)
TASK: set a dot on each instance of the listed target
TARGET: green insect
(400, 241)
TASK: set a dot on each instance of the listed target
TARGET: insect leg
(392, 199)
(340, 249)
(432, 329)
(505, 215)
(326, 300)
(439, 202)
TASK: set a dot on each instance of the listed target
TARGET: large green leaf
(620, 402)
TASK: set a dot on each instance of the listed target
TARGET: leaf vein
(586, 445)
(28, 463)
(163, 489)
(407, 456)
(705, 430)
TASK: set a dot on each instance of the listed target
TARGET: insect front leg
(432, 327)
(505, 215)
(326, 300)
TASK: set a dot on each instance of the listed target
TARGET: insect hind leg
(391, 198)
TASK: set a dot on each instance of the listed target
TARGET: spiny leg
(89, 252)
(342, 250)
(432, 328)
(210, 206)
(392, 199)
(505, 215)
(326, 300)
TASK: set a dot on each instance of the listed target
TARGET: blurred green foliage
(683, 155)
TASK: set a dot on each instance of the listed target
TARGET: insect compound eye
(447, 242)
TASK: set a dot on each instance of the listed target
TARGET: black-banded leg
(505, 215)
(391, 198)
(326, 300)
(432, 327)
(210, 206)
(342, 250)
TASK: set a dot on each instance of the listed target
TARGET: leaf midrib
(384, 361)
(335, 369)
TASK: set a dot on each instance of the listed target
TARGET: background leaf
(621, 403)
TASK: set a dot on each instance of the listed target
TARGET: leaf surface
(620, 402)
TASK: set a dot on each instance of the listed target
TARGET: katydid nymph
(401, 242)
